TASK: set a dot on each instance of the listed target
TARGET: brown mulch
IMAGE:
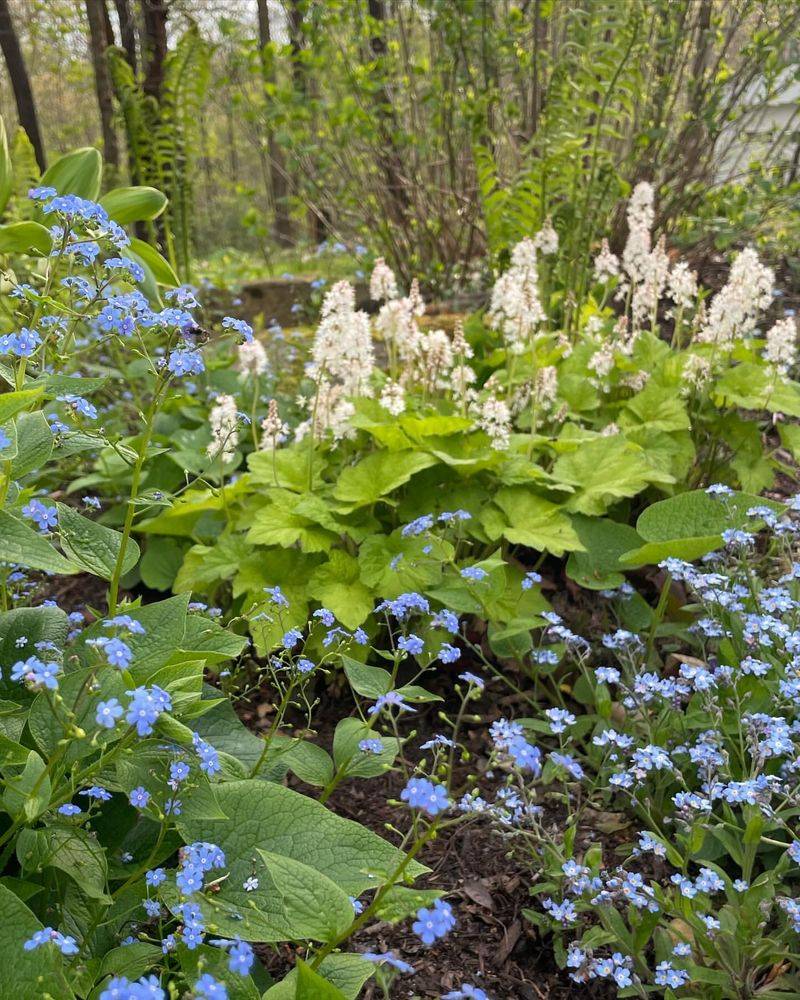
(493, 945)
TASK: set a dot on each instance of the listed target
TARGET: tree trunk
(297, 46)
(279, 189)
(155, 45)
(99, 42)
(127, 28)
(317, 214)
(21, 85)
(389, 158)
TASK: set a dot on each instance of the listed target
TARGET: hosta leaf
(151, 259)
(78, 172)
(378, 475)
(93, 546)
(133, 204)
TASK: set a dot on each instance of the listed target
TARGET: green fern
(162, 135)
(570, 169)
(26, 173)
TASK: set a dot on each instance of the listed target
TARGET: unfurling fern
(162, 135)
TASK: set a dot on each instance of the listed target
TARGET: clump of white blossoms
(461, 347)
(330, 411)
(602, 362)
(494, 417)
(516, 310)
(733, 311)
(342, 348)
(545, 387)
(432, 359)
(393, 398)
(606, 264)
(224, 421)
(546, 240)
(696, 372)
(641, 215)
(653, 274)
(781, 349)
(397, 325)
(382, 282)
(682, 285)
(273, 429)
(342, 361)
(252, 358)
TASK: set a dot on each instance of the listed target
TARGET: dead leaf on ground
(478, 892)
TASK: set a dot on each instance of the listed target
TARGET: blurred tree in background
(437, 132)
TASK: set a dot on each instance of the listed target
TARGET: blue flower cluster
(434, 922)
(703, 748)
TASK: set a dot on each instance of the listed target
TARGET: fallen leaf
(478, 892)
